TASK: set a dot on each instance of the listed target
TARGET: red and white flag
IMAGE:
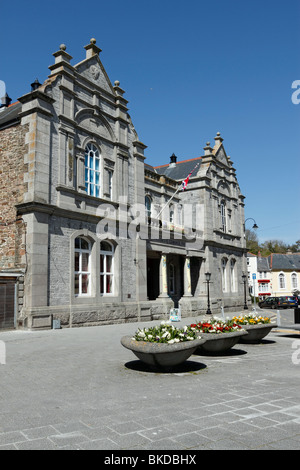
(185, 182)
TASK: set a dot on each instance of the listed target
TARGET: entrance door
(153, 278)
(7, 304)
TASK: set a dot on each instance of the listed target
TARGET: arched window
(92, 170)
(171, 214)
(223, 216)
(281, 278)
(148, 206)
(294, 281)
(106, 268)
(82, 268)
(224, 274)
(232, 275)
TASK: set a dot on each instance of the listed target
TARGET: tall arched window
(171, 214)
(281, 278)
(223, 216)
(232, 276)
(294, 281)
(82, 268)
(148, 207)
(106, 268)
(224, 274)
(92, 170)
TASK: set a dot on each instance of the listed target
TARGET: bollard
(278, 318)
(223, 314)
(2, 352)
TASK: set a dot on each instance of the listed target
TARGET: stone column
(163, 281)
(187, 277)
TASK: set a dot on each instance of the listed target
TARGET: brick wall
(12, 187)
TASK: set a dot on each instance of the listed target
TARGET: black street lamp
(207, 277)
(255, 226)
(244, 277)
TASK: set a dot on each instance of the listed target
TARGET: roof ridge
(177, 163)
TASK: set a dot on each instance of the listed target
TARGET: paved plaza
(80, 389)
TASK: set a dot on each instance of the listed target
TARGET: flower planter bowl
(220, 342)
(162, 355)
(256, 332)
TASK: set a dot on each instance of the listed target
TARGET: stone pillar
(187, 277)
(163, 281)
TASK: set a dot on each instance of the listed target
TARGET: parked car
(270, 302)
(288, 302)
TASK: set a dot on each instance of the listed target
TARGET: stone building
(90, 233)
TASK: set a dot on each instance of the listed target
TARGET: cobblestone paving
(80, 389)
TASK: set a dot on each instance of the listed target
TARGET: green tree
(251, 241)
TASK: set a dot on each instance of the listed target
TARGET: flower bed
(250, 319)
(166, 333)
(256, 326)
(215, 325)
(163, 346)
(220, 335)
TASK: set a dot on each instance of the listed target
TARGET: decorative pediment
(93, 70)
(223, 188)
(95, 123)
(221, 155)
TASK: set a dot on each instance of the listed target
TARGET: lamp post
(255, 226)
(207, 277)
(244, 277)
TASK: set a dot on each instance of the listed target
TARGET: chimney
(5, 100)
(173, 160)
(35, 85)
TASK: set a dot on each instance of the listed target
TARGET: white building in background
(276, 275)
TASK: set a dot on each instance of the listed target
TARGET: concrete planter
(162, 355)
(256, 332)
(220, 342)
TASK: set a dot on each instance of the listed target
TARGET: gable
(221, 155)
(93, 70)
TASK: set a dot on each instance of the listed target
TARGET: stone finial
(62, 55)
(92, 49)
(218, 138)
(207, 149)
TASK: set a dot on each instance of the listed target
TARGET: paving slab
(80, 389)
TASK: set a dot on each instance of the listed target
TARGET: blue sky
(189, 69)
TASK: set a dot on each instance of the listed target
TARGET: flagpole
(168, 202)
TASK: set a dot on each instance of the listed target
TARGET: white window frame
(224, 274)
(223, 216)
(104, 273)
(80, 272)
(92, 170)
(110, 183)
(281, 280)
(294, 278)
(232, 275)
(148, 206)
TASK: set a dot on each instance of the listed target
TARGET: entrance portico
(172, 276)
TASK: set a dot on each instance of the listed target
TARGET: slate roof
(284, 261)
(10, 115)
(180, 170)
(263, 264)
